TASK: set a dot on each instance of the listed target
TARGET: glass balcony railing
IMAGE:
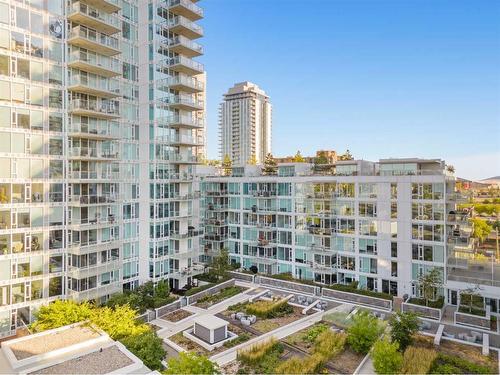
(90, 152)
(98, 106)
(95, 83)
(184, 61)
(96, 60)
(106, 129)
(94, 13)
(95, 37)
(182, 100)
(180, 21)
(184, 42)
(180, 80)
(187, 4)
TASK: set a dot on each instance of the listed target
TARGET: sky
(383, 79)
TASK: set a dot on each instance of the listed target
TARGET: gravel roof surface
(99, 362)
(47, 343)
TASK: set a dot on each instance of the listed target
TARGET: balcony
(182, 26)
(182, 102)
(475, 271)
(94, 85)
(176, 158)
(96, 221)
(84, 14)
(95, 41)
(109, 6)
(185, 8)
(94, 108)
(88, 153)
(94, 131)
(181, 64)
(84, 200)
(182, 83)
(95, 63)
(180, 121)
(182, 45)
(181, 140)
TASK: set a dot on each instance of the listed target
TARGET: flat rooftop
(210, 321)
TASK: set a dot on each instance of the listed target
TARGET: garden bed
(458, 358)
(176, 316)
(268, 325)
(345, 362)
(224, 294)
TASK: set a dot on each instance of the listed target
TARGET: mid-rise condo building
(381, 225)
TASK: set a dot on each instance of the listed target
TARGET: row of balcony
(180, 121)
(94, 199)
(182, 102)
(180, 140)
(109, 6)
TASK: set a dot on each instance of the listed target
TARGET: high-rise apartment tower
(245, 124)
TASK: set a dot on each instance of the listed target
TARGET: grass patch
(269, 309)
(243, 337)
(254, 356)
(418, 360)
(447, 364)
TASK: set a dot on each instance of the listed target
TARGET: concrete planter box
(160, 311)
(423, 311)
(482, 322)
(287, 285)
(242, 276)
(359, 299)
(213, 290)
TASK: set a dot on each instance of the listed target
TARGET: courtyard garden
(214, 299)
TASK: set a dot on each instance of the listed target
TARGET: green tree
(60, 313)
(481, 229)
(386, 357)
(227, 165)
(450, 168)
(270, 166)
(321, 159)
(148, 347)
(220, 264)
(403, 327)
(190, 363)
(429, 283)
(363, 332)
(298, 158)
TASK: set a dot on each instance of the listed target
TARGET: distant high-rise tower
(245, 124)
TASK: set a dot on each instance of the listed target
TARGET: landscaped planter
(423, 311)
(160, 311)
(287, 285)
(357, 298)
(212, 290)
(477, 321)
(242, 276)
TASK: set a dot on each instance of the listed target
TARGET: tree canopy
(190, 363)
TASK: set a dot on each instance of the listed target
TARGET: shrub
(363, 332)
(197, 289)
(256, 352)
(238, 306)
(146, 296)
(418, 360)
(223, 294)
(353, 289)
(403, 327)
(386, 357)
(269, 309)
(119, 322)
(148, 347)
(60, 313)
(242, 337)
(313, 332)
(437, 304)
(190, 363)
(329, 344)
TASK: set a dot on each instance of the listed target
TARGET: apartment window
(394, 269)
(368, 209)
(394, 191)
(394, 210)
(394, 249)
